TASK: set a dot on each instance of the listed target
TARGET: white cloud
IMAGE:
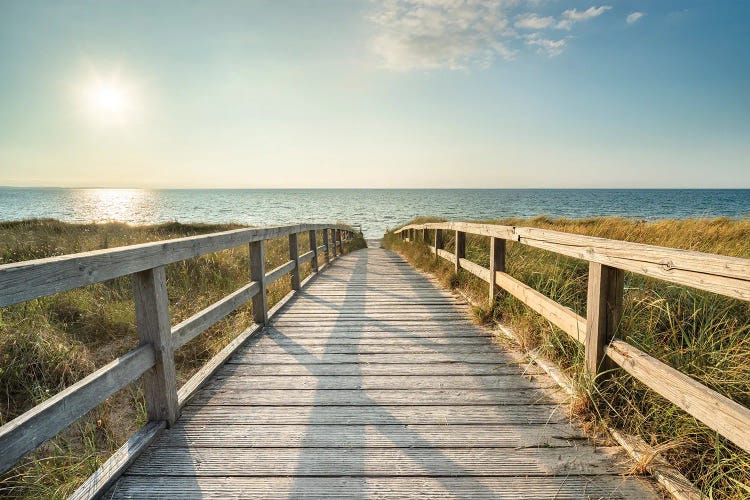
(460, 34)
(546, 46)
(575, 15)
(633, 17)
(534, 22)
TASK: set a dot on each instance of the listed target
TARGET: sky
(366, 94)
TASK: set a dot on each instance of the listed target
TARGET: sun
(108, 100)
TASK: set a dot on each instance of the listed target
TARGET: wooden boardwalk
(372, 382)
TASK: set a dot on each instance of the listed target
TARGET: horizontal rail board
(31, 279)
(306, 256)
(446, 255)
(187, 330)
(721, 274)
(278, 272)
(728, 418)
(25, 432)
(480, 272)
(560, 316)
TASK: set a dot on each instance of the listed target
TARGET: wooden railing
(608, 260)
(153, 359)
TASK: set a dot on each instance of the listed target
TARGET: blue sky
(399, 93)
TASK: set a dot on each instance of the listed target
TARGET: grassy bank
(49, 343)
(701, 334)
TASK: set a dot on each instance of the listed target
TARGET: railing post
(460, 248)
(327, 251)
(258, 273)
(154, 327)
(603, 311)
(424, 236)
(339, 242)
(314, 249)
(438, 242)
(497, 264)
(294, 255)
(333, 238)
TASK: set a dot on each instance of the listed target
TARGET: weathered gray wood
(250, 356)
(154, 329)
(258, 273)
(187, 330)
(378, 436)
(475, 269)
(306, 256)
(27, 431)
(115, 465)
(393, 370)
(373, 415)
(497, 264)
(339, 242)
(720, 274)
(568, 487)
(562, 317)
(603, 311)
(326, 247)
(380, 461)
(334, 243)
(294, 257)
(27, 280)
(728, 418)
(314, 250)
(276, 273)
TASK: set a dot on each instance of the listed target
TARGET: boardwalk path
(373, 382)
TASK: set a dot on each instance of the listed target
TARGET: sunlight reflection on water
(375, 209)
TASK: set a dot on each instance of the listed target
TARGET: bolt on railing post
(460, 248)
(258, 273)
(603, 312)
(314, 249)
(294, 256)
(154, 327)
(327, 251)
(497, 264)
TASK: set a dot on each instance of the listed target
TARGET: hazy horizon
(385, 95)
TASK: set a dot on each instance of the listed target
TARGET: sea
(375, 210)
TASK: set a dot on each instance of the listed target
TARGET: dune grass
(49, 343)
(704, 335)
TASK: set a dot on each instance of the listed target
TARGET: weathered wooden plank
(114, 466)
(401, 370)
(27, 431)
(446, 255)
(480, 272)
(720, 274)
(154, 329)
(493, 230)
(314, 249)
(187, 330)
(307, 256)
(570, 487)
(459, 248)
(560, 316)
(278, 272)
(373, 415)
(728, 418)
(415, 350)
(30, 279)
(373, 462)
(377, 436)
(374, 397)
(265, 358)
(377, 382)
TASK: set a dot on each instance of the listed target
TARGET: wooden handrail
(729, 276)
(154, 358)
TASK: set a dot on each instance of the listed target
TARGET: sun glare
(108, 100)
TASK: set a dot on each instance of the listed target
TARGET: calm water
(376, 210)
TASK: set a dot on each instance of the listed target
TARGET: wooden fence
(608, 261)
(153, 359)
